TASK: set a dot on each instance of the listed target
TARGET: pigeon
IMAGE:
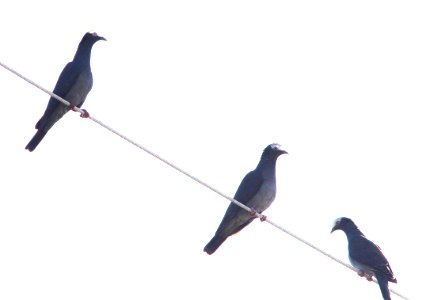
(257, 191)
(366, 256)
(73, 85)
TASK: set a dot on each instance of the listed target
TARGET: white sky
(207, 85)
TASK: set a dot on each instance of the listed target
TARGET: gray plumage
(366, 256)
(257, 191)
(73, 85)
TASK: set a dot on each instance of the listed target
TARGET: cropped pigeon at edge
(257, 191)
(366, 256)
(73, 85)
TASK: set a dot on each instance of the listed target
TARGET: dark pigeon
(257, 191)
(73, 85)
(366, 256)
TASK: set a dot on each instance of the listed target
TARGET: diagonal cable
(262, 217)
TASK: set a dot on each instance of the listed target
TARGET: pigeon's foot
(361, 273)
(84, 114)
(253, 212)
(369, 277)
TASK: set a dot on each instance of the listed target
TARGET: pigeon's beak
(98, 37)
(283, 152)
(334, 229)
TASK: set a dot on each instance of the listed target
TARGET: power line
(262, 217)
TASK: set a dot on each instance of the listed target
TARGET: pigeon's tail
(36, 140)
(384, 288)
(215, 243)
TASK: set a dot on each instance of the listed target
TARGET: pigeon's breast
(80, 89)
(264, 197)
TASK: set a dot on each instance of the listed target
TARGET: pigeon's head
(92, 37)
(273, 151)
(342, 224)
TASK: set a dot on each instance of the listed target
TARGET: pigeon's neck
(353, 232)
(83, 53)
(267, 167)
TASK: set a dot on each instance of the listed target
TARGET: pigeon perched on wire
(257, 191)
(73, 85)
(366, 256)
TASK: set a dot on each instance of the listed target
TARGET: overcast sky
(208, 85)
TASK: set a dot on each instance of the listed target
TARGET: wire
(262, 217)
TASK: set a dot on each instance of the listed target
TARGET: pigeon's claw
(361, 273)
(369, 277)
(254, 213)
(84, 114)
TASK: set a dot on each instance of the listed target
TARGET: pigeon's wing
(249, 187)
(66, 81)
(246, 191)
(369, 254)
